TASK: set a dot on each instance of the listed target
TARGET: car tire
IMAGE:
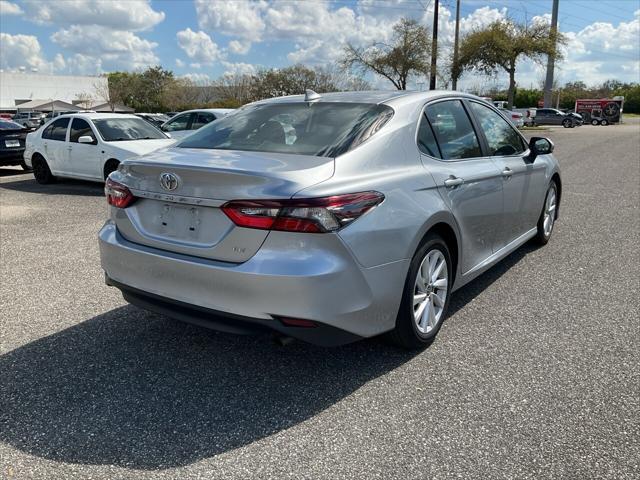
(604, 122)
(418, 322)
(548, 215)
(566, 123)
(42, 172)
(109, 167)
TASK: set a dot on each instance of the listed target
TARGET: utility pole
(454, 80)
(434, 47)
(548, 83)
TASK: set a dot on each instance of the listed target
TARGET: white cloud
(240, 47)
(238, 68)
(198, 46)
(22, 51)
(198, 78)
(8, 8)
(179, 63)
(113, 49)
(117, 14)
(240, 18)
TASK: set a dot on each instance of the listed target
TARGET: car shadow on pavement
(138, 390)
(10, 172)
(62, 187)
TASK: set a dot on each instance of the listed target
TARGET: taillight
(311, 215)
(117, 194)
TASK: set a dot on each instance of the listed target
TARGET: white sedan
(187, 122)
(89, 146)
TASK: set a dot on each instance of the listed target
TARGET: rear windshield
(9, 125)
(320, 129)
(119, 129)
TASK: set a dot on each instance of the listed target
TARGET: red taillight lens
(312, 215)
(117, 194)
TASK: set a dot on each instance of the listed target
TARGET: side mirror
(87, 139)
(539, 146)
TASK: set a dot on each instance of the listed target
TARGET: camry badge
(169, 181)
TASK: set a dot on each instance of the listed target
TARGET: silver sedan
(329, 217)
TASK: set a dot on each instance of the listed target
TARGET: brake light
(117, 194)
(310, 215)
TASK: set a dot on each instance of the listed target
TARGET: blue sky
(205, 39)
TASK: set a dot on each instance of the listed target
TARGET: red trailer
(601, 111)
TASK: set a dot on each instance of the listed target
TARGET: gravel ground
(534, 374)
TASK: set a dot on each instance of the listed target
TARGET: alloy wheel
(430, 291)
(549, 211)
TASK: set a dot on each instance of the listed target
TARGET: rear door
(470, 184)
(84, 158)
(523, 181)
(54, 144)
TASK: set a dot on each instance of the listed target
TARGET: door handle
(69, 148)
(453, 182)
(507, 172)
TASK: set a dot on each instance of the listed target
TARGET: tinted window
(201, 120)
(501, 136)
(79, 128)
(181, 122)
(426, 141)
(322, 129)
(453, 130)
(118, 129)
(57, 130)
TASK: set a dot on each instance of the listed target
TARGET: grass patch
(630, 115)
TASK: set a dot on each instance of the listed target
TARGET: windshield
(9, 125)
(320, 129)
(119, 129)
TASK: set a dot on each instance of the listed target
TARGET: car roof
(209, 110)
(98, 116)
(391, 97)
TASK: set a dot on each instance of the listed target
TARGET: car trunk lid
(183, 215)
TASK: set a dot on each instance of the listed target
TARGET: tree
(84, 99)
(115, 90)
(407, 55)
(502, 43)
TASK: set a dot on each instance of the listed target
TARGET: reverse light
(117, 194)
(310, 215)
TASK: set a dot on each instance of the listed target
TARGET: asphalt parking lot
(534, 374)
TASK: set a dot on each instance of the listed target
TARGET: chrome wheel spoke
(418, 298)
(440, 283)
(437, 271)
(432, 312)
(437, 301)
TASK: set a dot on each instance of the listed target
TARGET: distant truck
(601, 111)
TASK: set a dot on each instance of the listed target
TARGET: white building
(17, 88)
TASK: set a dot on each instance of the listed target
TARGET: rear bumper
(313, 278)
(11, 157)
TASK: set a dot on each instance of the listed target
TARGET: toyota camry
(328, 218)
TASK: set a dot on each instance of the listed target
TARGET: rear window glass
(9, 125)
(320, 129)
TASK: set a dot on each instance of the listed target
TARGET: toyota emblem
(169, 181)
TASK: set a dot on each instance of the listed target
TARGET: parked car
(89, 146)
(6, 116)
(29, 119)
(156, 119)
(552, 116)
(12, 142)
(383, 205)
(186, 122)
(516, 118)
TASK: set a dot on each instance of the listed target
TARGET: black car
(12, 143)
(553, 116)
